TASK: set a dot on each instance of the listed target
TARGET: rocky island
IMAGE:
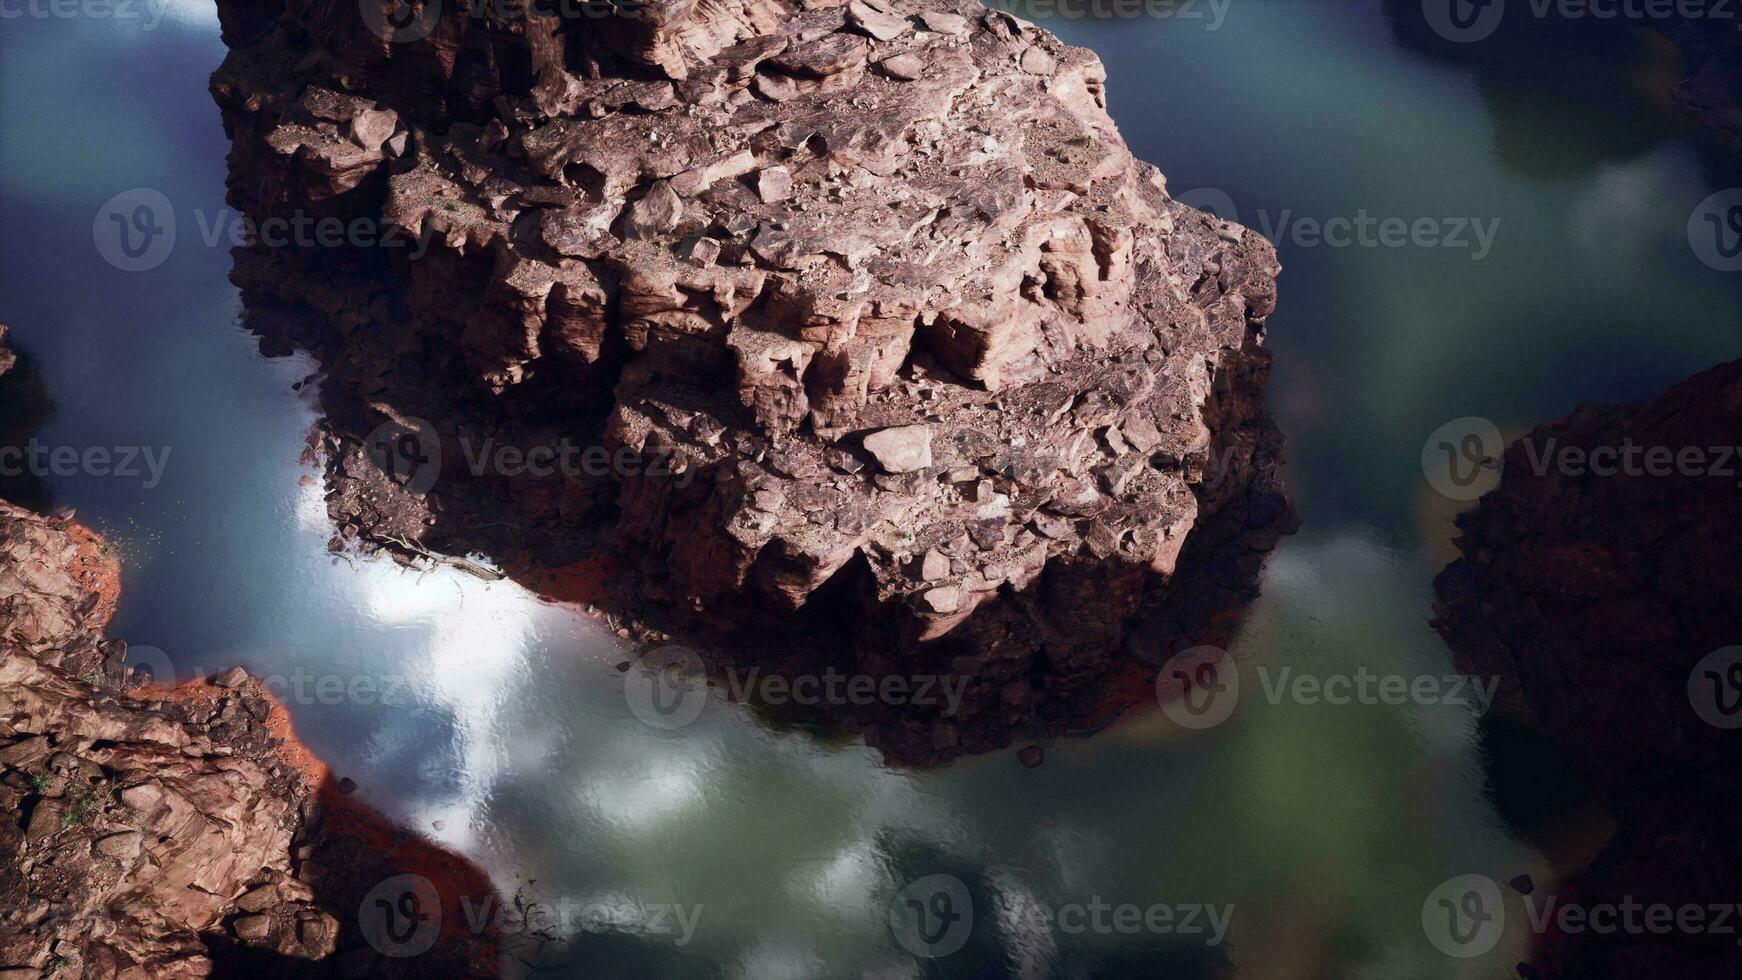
(1606, 597)
(900, 360)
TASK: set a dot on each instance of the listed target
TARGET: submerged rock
(840, 318)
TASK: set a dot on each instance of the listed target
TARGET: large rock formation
(163, 833)
(1600, 597)
(889, 342)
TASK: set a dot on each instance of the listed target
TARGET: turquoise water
(729, 849)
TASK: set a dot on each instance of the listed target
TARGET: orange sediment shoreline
(347, 825)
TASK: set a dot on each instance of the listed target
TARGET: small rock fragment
(253, 928)
(943, 22)
(880, 24)
(706, 251)
(124, 846)
(655, 214)
(943, 600)
(904, 449)
(371, 127)
(904, 67)
(774, 184)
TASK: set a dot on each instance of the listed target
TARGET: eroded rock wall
(1600, 598)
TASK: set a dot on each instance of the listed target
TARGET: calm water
(1323, 827)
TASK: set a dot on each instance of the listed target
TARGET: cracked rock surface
(919, 351)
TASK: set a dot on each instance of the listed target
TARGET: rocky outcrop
(1599, 586)
(878, 339)
(167, 833)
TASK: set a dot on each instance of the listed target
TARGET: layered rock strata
(887, 339)
(1602, 598)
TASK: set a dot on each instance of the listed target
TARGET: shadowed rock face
(1599, 599)
(156, 833)
(159, 833)
(1570, 83)
(915, 367)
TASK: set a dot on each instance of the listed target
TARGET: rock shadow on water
(1610, 90)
